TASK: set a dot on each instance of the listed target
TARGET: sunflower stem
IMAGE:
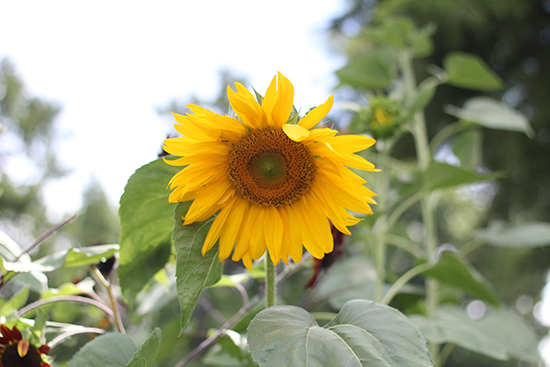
(428, 202)
(270, 286)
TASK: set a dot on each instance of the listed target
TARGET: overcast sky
(110, 64)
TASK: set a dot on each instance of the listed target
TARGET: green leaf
(426, 91)
(470, 71)
(193, 271)
(373, 71)
(532, 234)
(364, 333)
(452, 271)
(445, 176)
(468, 147)
(69, 258)
(17, 301)
(349, 278)
(498, 334)
(108, 350)
(492, 114)
(85, 286)
(146, 220)
(147, 353)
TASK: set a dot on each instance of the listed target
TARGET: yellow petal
(278, 101)
(322, 135)
(295, 249)
(207, 201)
(232, 228)
(248, 110)
(257, 238)
(315, 116)
(273, 227)
(348, 144)
(295, 132)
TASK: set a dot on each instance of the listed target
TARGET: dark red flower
(323, 264)
(17, 352)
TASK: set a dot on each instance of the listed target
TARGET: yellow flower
(275, 184)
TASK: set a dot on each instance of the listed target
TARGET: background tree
(27, 156)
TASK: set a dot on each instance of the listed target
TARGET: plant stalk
(270, 286)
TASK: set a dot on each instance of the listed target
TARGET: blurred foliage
(513, 38)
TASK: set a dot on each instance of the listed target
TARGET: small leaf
(492, 114)
(146, 219)
(373, 71)
(363, 333)
(108, 350)
(148, 352)
(426, 91)
(470, 71)
(17, 301)
(193, 271)
(532, 234)
(452, 271)
(498, 334)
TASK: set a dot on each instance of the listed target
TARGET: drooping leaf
(148, 352)
(445, 176)
(193, 271)
(85, 286)
(146, 220)
(108, 350)
(492, 114)
(363, 333)
(467, 147)
(373, 71)
(452, 271)
(470, 71)
(498, 334)
(532, 234)
(66, 258)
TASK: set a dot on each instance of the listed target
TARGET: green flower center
(269, 168)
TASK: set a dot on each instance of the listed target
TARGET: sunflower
(17, 352)
(276, 182)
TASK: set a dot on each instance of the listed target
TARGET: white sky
(110, 64)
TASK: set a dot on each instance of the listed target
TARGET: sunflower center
(11, 358)
(270, 169)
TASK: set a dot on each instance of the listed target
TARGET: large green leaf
(364, 333)
(492, 114)
(470, 71)
(193, 271)
(146, 220)
(373, 71)
(468, 147)
(147, 353)
(350, 278)
(108, 350)
(498, 334)
(531, 234)
(452, 271)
